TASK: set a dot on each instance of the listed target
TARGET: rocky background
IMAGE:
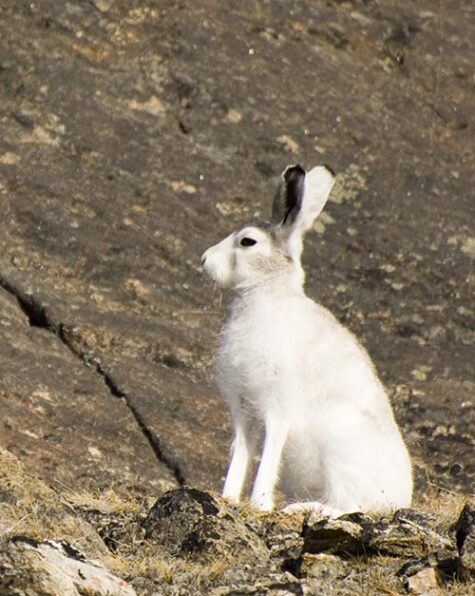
(133, 136)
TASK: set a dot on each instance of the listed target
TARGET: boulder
(465, 537)
(190, 523)
(406, 534)
(55, 568)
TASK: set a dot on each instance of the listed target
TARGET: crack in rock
(38, 316)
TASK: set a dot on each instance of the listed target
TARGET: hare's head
(259, 253)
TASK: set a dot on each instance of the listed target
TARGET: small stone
(138, 287)
(181, 186)
(321, 566)
(40, 135)
(319, 227)
(95, 452)
(9, 159)
(420, 373)
(424, 583)
(332, 536)
(233, 116)
(289, 143)
(326, 218)
(396, 286)
(468, 246)
(103, 5)
(153, 106)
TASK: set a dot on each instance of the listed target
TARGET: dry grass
(444, 504)
(149, 563)
(108, 502)
(35, 510)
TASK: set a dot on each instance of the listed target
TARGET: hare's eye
(248, 242)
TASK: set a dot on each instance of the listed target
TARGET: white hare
(290, 371)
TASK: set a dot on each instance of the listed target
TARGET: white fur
(290, 371)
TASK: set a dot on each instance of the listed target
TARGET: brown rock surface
(134, 135)
(61, 419)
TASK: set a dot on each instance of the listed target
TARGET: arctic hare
(290, 371)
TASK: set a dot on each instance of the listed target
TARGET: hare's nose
(203, 259)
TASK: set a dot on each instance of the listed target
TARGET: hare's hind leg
(243, 448)
(320, 508)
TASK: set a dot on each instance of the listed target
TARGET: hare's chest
(251, 360)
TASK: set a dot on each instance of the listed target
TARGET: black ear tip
(288, 197)
(291, 171)
(331, 170)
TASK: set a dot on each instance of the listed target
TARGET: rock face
(134, 136)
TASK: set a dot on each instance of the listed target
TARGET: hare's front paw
(263, 503)
(232, 499)
(318, 508)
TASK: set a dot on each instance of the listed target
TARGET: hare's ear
(317, 187)
(288, 197)
(301, 196)
(299, 199)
